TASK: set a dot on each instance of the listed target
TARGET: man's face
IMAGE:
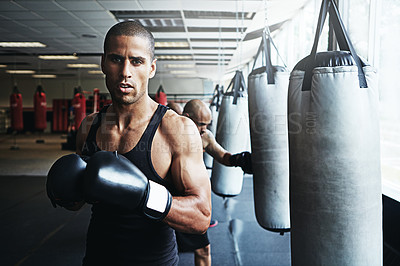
(202, 120)
(128, 67)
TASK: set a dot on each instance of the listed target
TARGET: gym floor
(34, 233)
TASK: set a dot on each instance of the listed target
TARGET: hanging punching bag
(334, 154)
(40, 109)
(233, 135)
(17, 121)
(79, 104)
(161, 96)
(267, 88)
(214, 107)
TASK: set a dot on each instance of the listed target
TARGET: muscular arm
(190, 212)
(213, 148)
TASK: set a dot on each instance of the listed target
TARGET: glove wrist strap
(158, 201)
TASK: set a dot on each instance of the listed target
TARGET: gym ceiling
(202, 39)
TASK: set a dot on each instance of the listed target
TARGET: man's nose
(126, 70)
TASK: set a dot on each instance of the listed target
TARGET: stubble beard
(127, 99)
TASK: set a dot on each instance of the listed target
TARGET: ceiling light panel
(58, 57)
(172, 52)
(220, 23)
(181, 72)
(96, 72)
(179, 65)
(122, 15)
(170, 35)
(215, 35)
(217, 15)
(44, 76)
(20, 71)
(83, 65)
(174, 57)
(22, 44)
(216, 29)
(214, 47)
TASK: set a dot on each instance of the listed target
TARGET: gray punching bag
(334, 154)
(214, 107)
(233, 134)
(267, 88)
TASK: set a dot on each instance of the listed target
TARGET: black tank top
(119, 237)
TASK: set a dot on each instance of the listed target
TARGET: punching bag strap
(215, 98)
(160, 89)
(15, 90)
(342, 38)
(265, 49)
(268, 64)
(238, 86)
(345, 43)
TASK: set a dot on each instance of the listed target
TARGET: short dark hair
(130, 28)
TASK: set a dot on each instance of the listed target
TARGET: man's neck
(133, 114)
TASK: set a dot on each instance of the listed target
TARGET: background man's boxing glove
(112, 179)
(65, 180)
(243, 160)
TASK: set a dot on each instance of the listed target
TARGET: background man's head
(199, 112)
(130, 28)
(175, 107)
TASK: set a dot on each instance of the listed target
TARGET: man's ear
(153, 68)
(102, 63)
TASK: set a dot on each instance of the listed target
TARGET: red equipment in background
(161, 96)
(79, 104)
(17, 121)
(60, 115)
(40, 109)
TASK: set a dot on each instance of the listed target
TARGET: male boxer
(136, 209)
(200, 114)
(175, 107)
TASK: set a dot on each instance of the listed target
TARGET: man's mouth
(125, 87)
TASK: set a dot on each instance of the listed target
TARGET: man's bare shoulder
(179, 130)
(173, 124)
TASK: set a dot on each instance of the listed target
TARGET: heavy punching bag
(334, 154)
(161, 96)
(267, 88)
(40, 109)
(79, 104)
(214, 107)
(17, 121)
(233, 134)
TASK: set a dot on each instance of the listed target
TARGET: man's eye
(137, 61)
(116, 59)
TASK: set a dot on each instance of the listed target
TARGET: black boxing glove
(243, 160)
(64, 181)
(112, 179)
